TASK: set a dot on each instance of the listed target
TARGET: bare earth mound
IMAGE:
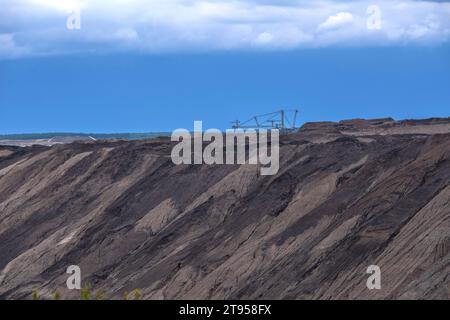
(348, 195)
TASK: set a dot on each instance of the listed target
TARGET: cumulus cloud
(336, 21)
(38, 27)
(264, 38)
(9, 48)
(127, 34)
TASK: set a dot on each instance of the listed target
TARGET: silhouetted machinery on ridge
(283, 120)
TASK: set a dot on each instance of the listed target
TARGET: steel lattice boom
(284, 120)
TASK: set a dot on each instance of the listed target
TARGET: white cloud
(59, 5)
(336, 21)
(9, 48)
(264, 38)
(39, 26)
(127, 34)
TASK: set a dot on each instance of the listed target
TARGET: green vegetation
(85, 293)
(35, 295)
(137, 294)
(99, 295)
(125, 295)
(56, 296)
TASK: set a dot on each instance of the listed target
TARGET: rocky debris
(327, 131)
(348, 195)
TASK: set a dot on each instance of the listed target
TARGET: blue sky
(161, 65)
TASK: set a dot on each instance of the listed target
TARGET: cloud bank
(39, 27)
